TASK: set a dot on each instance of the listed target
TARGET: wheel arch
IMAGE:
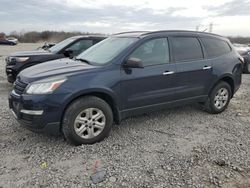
(228, 79)
(105, 95)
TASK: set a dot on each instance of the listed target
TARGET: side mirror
(68, 53)
(133, 63)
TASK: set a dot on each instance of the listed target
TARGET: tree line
(240, 40)
(56, 36)
(48, 36)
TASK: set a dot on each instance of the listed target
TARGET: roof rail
(188, 31)
(127, 32)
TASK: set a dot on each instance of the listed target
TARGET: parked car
(69, 47)
(244, 51)
(7, 42)
(46, 46)
(125, 75)
(13, 39)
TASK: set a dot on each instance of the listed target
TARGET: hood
(31, 53)
(53, 68)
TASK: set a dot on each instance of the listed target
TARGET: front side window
(106, 50)
(80, 46)
(186, 48)
(152, 52)
(215, 47)
(59, 46)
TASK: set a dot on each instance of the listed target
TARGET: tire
(218, 98)
(79, 120)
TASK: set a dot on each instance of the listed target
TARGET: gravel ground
(180, 147)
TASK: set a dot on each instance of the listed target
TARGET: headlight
(18, 59)
(248, 53)
(22, 59)
(44, 87)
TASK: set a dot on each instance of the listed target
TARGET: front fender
(90, 91)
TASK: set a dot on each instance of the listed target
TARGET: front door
(153, 84)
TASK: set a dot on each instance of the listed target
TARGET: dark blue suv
(124, 75)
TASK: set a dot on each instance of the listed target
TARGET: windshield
(106, 50)
(56, 48)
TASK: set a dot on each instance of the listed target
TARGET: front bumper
(36, 113)
(11, 74)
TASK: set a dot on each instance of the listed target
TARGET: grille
(10, 61)
(19, 86)
(27, 117)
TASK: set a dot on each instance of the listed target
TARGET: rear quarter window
(215, 47)
(186, 48)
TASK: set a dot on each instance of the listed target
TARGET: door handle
(207, 67)
(168, 72)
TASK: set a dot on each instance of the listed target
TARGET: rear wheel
(219, 98)
(87, 120)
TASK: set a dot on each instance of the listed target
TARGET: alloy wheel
(221, 98)
(89, 123)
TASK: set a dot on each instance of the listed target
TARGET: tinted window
(186, 48)
(80, 46)
(98, 40)
(59, 46)
(152, 52)
(215, 47)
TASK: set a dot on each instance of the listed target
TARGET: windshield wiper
(82, 60)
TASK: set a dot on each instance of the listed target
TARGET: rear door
(153, 84)
(193, 72)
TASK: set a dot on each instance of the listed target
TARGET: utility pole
(197, 27)
(211, 27)
(208, 27)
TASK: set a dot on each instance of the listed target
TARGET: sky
(229, 17)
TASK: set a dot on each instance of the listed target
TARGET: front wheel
(219, 98)
(87, 120)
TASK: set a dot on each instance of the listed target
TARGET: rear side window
(80, 46)
(186, 48)
(97, 40)
(215, 47)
